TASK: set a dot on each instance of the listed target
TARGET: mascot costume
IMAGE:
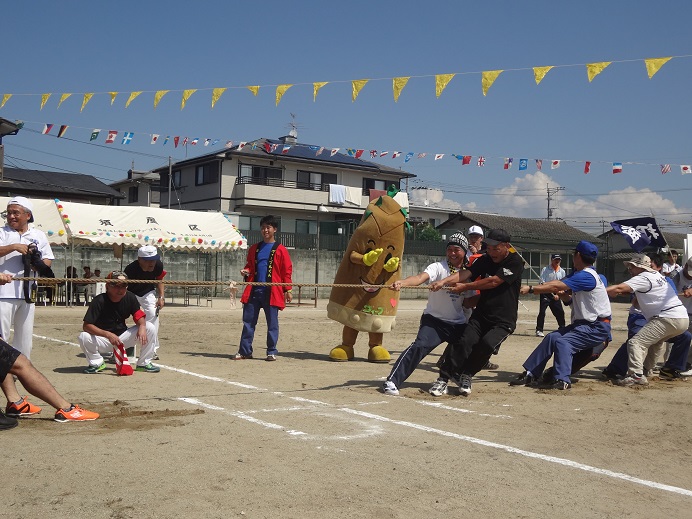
(373, 257)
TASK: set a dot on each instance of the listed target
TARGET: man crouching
(104, 326)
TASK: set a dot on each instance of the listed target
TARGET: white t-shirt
(682, 284)
(655, 296)
(12, 263)
(670, 270)
(443, 304)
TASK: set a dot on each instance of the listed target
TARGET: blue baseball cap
(586, 248)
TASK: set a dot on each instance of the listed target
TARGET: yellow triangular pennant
(44, 99)
(186, 96)
(216, 94)
(488, 78)
(441, 82)
(316, 88)
(280, 91)
(158, 96)
(356, 86)
(133, 95)
(5, 98)
(594, 69)
(87, 98)
(398, 84)
(113, 96)
(254, 89)
(540, 72)
(62, 98)
(654, 64)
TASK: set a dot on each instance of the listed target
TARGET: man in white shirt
(24, 251)
(553, 272)
(664, 312)
(443, 319)
(671, 267)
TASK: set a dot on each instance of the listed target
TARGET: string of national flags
(126, 137)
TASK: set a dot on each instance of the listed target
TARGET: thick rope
(92, 281)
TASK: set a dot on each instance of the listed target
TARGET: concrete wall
(193, 266)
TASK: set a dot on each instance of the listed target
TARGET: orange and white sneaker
(75, 414)
(23, 408)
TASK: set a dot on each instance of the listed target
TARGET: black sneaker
(609, 374)
(491, 365)
(523, 380)
(670, 374)
(557, 384)
(7, 422)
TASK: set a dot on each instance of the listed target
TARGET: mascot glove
(369, 258)
(392, 264)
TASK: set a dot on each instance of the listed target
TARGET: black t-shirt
(111, 316)
(134, 271)
(499, 304)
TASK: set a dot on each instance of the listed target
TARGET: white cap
(25, 203)
(148, 252)
(475, 229)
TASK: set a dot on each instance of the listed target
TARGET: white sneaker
(389, 388)
(439, 388)
(632, 380)
(539, 333)
(687, 373)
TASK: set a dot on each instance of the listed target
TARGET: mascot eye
(387, 258)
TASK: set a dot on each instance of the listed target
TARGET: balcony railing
(277, 182)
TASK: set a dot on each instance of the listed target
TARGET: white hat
(475, 229)
(148, 252)
(25, 203)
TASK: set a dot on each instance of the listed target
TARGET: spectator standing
(552, 272)
(671, 267)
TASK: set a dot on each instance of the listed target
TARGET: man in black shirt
(150, 295)
(104, 326)
(498, 278)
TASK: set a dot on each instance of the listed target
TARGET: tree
(425, 232)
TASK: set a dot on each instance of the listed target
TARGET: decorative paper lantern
(81, 232)
(160, 240)
(146, 238)
(213, 242)
(61, 232)
(50, 233)
(139, 236)
(67, 221)
(57, 200)
(173, 239)
(200, 241)
(165, 241)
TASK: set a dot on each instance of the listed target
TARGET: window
(177, 180)
(207, 174)
(133, 195)
(263, 174)
(382, 185)
(306, 227)
(252, 223)
(314, 180)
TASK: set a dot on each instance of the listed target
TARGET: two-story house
(300, 183)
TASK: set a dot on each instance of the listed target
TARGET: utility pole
(170, 180)
(552, 191)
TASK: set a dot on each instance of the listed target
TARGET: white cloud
(527, 197)
(428, 197)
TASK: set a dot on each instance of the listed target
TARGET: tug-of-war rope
(232, 286)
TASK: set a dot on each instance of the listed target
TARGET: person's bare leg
(34, 382)
(10, 389)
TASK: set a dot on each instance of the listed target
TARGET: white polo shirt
(12, 263)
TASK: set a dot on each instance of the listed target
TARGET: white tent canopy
(136, 226)
(46, 218)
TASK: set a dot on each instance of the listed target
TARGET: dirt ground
(305, 437)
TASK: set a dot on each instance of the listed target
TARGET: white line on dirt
(507, 448)
(528, 454)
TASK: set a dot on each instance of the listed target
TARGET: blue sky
(622, 116)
